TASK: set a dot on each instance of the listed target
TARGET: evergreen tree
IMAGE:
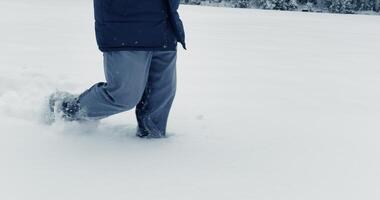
(335, 6)
(278, 4)
(241, 3)
(341, 6)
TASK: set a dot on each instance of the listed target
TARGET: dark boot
(66, 106)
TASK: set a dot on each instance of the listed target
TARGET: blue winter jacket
(138, 25)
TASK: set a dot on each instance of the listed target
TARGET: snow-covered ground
(270, 105)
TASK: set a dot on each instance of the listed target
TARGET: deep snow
(270, 105)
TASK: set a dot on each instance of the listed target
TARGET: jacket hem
(110, 49)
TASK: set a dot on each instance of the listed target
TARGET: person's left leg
(152, 111)
(126, 74)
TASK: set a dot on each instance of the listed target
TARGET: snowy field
(270, 106)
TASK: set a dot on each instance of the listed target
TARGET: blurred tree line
(334, 6)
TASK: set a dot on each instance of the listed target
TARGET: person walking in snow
(139, 44)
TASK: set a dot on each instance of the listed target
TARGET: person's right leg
(152, 112)
(126, 77)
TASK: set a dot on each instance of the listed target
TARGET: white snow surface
(270, 106)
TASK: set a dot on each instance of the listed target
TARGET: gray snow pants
(142, 79)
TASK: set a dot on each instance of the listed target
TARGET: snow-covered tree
(341, 6)
(335, 6)
(195, 2)
(241, 3)
(278, 4)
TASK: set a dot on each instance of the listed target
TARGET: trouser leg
(153, 110)
(126, 75)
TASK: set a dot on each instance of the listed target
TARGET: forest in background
(332, 6)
